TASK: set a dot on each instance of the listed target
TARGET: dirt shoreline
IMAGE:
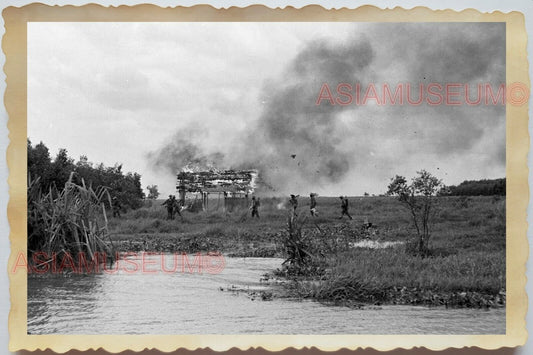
(404, 296)
(287, 286)
(284, 285)
(193, 243)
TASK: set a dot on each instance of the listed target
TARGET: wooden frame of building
(234, 185)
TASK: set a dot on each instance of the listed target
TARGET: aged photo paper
(252, 177)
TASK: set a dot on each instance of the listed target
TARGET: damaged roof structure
(234, 185)
(232, 181)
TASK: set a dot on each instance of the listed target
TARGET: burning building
(230, 188)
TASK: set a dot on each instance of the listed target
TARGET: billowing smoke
(299, 143)
(294, 143)
(299, 146)
(180, 153)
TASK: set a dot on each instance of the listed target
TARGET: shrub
(418, 197)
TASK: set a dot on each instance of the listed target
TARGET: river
(194, 303)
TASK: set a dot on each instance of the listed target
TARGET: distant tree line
(485, 187)
(54, 173)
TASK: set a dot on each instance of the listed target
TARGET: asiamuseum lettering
(432, 94)
(129, 262)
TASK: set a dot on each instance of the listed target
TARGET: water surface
(192, 303)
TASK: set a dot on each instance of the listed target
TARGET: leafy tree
(39, 162)
(153, 192)
(61, 168)
(55, 173)
(419, 198)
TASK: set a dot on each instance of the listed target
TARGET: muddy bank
(187, 243)
(317, 281)
(347, 265)
(358, 296)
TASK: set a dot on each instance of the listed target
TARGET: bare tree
(419, 198)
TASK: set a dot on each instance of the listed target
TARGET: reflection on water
(192, 303)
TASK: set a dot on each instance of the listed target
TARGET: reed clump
(295, 243)
(68, 222)
(462, 268)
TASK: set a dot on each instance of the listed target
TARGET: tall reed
(68, 221)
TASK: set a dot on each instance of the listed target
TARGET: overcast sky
(156, 96)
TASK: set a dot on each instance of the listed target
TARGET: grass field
(465, 267)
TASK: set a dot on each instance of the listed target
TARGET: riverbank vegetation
(371, 259)
(455, 276)
(69, 202)
(375, 258)
(54, 173)
(64, 223)
(463, 266)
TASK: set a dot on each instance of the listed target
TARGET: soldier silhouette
(344, 207)
(255, 206)
(169, 203)
(293, 201)
(312, 206)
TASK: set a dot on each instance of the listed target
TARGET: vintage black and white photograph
(266, 178)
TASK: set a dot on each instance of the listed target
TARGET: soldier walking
(255, 207)
(176, 207)
(293, 201)
(169, 203)
(312, 206)
(344, 207)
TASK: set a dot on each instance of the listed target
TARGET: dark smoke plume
(292, 124)
(294, 142)
(181, 153)
(298, 146)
